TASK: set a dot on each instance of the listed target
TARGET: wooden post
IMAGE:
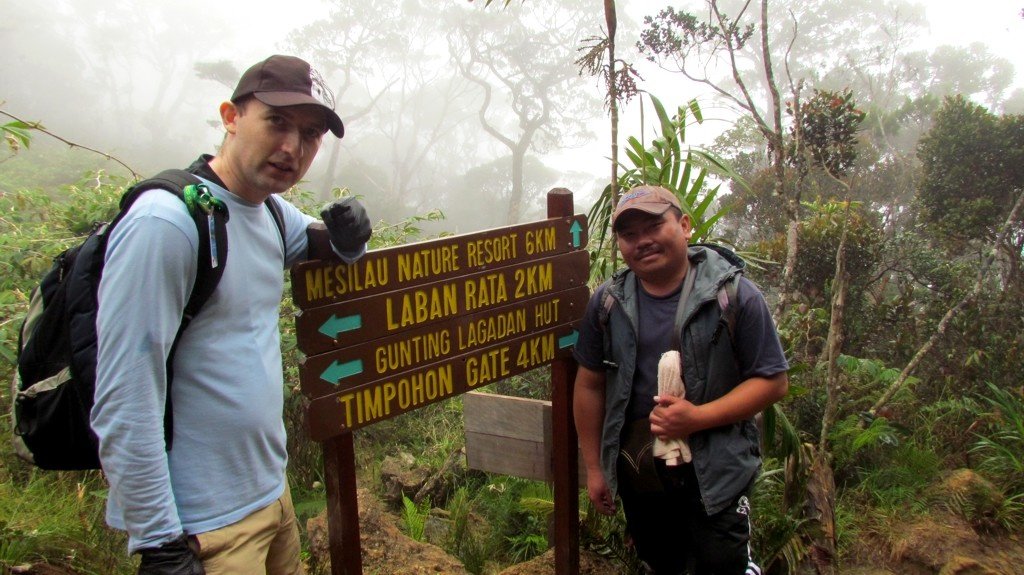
(565, 451)
(342, 506)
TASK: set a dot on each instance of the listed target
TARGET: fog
(142, 80)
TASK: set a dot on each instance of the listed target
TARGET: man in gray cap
(208, 493)
(675, 297)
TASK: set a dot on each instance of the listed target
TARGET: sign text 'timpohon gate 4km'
(407, 326)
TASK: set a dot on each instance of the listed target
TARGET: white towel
(670, 382)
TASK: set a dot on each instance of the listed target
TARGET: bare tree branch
(39, 128)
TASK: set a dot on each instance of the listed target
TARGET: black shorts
(672, 533)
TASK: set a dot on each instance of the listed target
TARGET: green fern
(415, 517)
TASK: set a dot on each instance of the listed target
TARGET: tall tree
(530, 94)
(381, 75)
(872, 52)
(972, 168)
(600, 59)
(824, 139)
(691, 45)
(114, 59)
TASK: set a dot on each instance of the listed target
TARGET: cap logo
(318, 89)
(632, 196)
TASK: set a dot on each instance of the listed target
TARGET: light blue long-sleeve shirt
(228, 457)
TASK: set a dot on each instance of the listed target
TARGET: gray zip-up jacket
(726, 458)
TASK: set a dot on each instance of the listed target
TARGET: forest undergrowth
(963, 412)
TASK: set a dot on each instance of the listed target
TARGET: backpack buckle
(198, 196)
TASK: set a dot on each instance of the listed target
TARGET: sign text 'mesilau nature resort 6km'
(411, 325)
(319, 282)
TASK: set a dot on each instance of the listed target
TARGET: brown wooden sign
(409, 326)
(369, 403)
(511, 436)
(319, 282)
(359, 320)
(348, 367)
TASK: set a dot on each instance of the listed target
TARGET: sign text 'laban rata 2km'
(410, 325)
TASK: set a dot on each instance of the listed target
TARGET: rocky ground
(940, 545)
(386, 550)
(936, 546)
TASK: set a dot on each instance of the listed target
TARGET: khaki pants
(264, 543)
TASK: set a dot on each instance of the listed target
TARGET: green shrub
(1000, 441)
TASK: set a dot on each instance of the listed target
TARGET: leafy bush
(1001, 439)
(890, 472)
(35, 228)
(464, 541)
(777, 539)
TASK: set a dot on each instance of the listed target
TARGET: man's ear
(229, 116)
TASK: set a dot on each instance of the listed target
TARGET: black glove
(172, 558)
(347, 224)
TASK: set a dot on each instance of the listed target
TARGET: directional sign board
(319, 282)
(407, 326)
(379, 400)
(357, 320)
(350, 366)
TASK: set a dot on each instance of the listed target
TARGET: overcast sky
(252, 29)
(994, 22)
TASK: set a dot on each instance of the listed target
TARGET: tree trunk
(515, 202)
(332, 170)
(810, 494)
(940, 331)
(820, 509)
(613, 110)
(834, 345)
(793, 198)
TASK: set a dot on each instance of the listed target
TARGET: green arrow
(568, 340)
(335, 325)
(575, 230)
(338, 371)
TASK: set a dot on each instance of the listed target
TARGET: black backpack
(56, 375)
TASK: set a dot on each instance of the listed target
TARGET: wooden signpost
(405, 327)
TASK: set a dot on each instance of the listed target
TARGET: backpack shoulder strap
(729, 307)
(604, 314)
(210, 216)
(274, 207)
(604, 317)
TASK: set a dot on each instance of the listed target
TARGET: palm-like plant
(670, 163)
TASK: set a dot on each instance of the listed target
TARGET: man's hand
(172, 558)
(347, 223)
(599, 494)
(674, 418)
